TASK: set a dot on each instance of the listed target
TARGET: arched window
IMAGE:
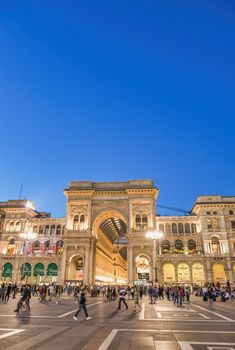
(75, 222)
(59, 247)
(168, 229)
(166, 247)
(52, 232)
(35, 229)
(18, 226)
(161, 228)
(47, 245)
(209, 224)
(194, 228)
(187, 228)
(180, 229)
(192, 246)
(82, 222)
(144, 221)
(174, 229)
(12, 226)
(179, 246)
(58, 230)
(215, 246)
(47, 229)
(138, 221)
(141, 221)
(216, 224)
(41, 230)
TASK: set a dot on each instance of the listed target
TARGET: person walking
(211, 297)
(121, 299)
(8, 292)
(137, 299)
(82, 305)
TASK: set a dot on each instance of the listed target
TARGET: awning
(52, 270)
(39, 270)
(7, 270)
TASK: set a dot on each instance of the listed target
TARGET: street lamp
(154, 235)
(27, 236)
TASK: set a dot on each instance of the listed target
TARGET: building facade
(102, 239)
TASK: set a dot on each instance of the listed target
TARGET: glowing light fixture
(28, 235)
(154, 234)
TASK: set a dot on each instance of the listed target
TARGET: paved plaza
(158, 326)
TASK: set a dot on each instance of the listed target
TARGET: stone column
(130, 264)
(229, 272)
(86, 266)
(92, 261)
(154, 261)
(62, 272)
(208, 272)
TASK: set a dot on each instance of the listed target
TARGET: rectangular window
(233, 225)
(230, 212)
(214, 212)
(208, 213)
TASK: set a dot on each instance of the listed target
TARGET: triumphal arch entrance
(105, 241)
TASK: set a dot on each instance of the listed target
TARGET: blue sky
(117, 90)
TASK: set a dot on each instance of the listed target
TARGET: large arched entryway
(76, 269)
(142, 269)
(110, 230)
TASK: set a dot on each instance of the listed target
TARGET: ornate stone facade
(103, 239)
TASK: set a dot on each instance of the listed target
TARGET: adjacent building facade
(102, 239)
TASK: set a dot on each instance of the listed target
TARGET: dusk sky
(117, 90)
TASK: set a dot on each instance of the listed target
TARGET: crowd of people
(179, 295)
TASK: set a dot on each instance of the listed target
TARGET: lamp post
(27, 236)
(154, 235)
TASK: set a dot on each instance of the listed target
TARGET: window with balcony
(11, 246)
(192, 246)
(179, 247)
(215, 246)
(166, 247)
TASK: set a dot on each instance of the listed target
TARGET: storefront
(52, 273)
(26, 272)
(7, 272)
(39, 273)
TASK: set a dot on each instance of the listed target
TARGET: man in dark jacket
(82, 305)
